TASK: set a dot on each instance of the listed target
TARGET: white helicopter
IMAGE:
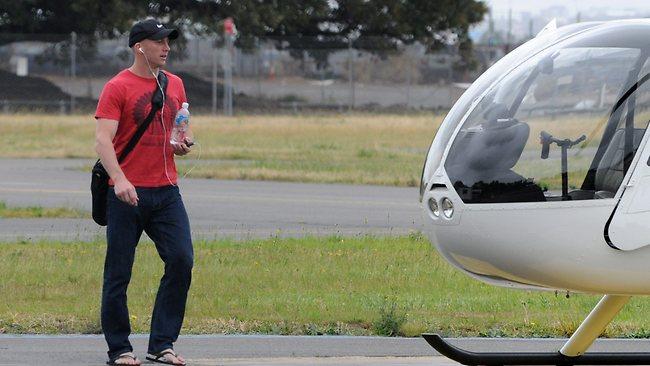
(539, 177)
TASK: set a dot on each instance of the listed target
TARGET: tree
(374, 25)
(44, 19)
(322, 25)
(432, 23)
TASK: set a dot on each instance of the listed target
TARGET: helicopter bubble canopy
(563, 124)
(485, 81)
(540, 171)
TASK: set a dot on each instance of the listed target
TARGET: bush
(390, 320)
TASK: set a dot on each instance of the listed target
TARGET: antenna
(551, 26)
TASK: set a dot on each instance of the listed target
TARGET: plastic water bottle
(181, 123)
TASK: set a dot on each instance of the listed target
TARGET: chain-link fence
(66, 73)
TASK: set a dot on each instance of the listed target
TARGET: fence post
(322, 85)
(408, 82)
(214, 79)
(351, 73)
(257, 67)
(5, 106)
(61, 106)
(197, 50)
(73, 68)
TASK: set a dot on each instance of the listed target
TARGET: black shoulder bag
(99, 180)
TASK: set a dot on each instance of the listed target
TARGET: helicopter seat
(482, 170)
(610, 171)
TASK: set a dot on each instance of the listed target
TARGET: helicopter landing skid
(532, 358)
(572, 353)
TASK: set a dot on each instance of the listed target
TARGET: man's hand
(125, 191)
(184, 147)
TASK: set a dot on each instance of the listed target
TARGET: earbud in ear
(140, 49)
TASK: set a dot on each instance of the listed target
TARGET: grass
(40, 212)
(359, 286)
(354, 148)
(357, 148)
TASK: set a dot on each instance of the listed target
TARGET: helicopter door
(629, 226)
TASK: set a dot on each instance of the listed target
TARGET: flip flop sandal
(123, 355)
(161, 357)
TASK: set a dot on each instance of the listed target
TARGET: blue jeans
(161, 214)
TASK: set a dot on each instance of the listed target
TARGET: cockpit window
(564, 125)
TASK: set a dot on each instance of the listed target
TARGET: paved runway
(217, 209)
(224, 350)
(249, 350)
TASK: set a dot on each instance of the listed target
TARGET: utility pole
(229, 34)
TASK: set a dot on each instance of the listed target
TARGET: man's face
(156, 51)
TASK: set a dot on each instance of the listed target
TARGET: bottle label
(180, 119)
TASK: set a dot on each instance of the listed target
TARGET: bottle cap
(186, 105)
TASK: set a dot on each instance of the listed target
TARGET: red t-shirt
(126, 98)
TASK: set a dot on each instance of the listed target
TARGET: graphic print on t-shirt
(142, 108)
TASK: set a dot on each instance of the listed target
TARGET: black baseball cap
(150, 29)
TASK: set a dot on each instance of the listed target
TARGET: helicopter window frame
(625, 102)
(509, 106)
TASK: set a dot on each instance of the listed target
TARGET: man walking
(143, 195)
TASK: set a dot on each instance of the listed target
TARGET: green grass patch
(40, 212)
(350, 148)
(335, 285)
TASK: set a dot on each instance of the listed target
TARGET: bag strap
(156, 104)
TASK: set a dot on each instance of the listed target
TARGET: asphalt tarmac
(223, 350)
(249, 350)
(217, 209)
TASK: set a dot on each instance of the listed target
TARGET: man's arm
(104, 134)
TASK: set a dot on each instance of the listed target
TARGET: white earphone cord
(197, 159)
(162, 115)
(162, 122)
